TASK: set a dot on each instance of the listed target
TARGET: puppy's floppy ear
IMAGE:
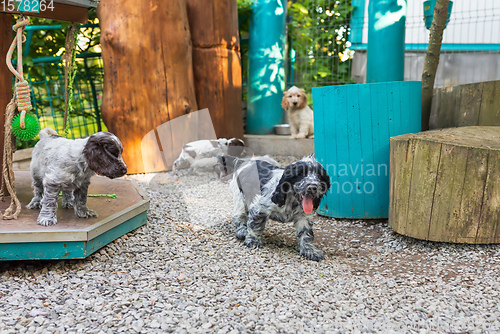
(284, 102)
(286, 184)
(303, 99)
(97, 153)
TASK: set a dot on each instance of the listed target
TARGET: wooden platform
(445, 185)
(72, 237)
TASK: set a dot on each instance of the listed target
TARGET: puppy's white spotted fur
(60, 164)
(263, 191)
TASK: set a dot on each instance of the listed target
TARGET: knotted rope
(22, 101)
(22, 87)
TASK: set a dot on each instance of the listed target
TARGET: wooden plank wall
(466, 105)
(5, 74)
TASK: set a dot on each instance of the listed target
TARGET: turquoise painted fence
(352, 127)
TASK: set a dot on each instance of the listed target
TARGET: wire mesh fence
(318, 47)
(470, 49)
(46, 79)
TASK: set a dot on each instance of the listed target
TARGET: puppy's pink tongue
(307, 204)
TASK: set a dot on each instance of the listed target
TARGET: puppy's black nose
(124, 170)
(312, 189)
(295, 103)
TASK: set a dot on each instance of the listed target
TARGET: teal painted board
(353, 125)
(116, 232)
(42, 250)
(68, 249)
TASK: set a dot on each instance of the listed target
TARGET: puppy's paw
(300, 136)
(311, 136)
(85, 213)
(241, 232)
(252, 242)
(46, 221)
(311, 253)
(34, 204)
(67, 205)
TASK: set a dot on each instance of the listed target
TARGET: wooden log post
(444, 185)
(6, 23)
(148, 73)
(217, 64)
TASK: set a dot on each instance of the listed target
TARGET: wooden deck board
(125, 209)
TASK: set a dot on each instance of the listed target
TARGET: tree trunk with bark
(444, 185)
(146, 48)
(216, 61)
(432, 59)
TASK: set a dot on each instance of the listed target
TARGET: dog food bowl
(282, 129)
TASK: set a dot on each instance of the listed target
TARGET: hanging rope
(21, 101)
(22, 87)
(69, 72)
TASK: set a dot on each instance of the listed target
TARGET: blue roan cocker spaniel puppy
(263, 191)
(60, 164)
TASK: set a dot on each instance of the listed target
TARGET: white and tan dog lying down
(211, 155)
(203, 153)
(300, 116)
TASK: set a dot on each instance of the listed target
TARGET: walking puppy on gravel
(263, 191)
(60, 164)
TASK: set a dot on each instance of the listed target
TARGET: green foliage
(51, 42)
(47, 78)
(318, 32)
(244, 14)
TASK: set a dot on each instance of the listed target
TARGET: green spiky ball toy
(31, 127)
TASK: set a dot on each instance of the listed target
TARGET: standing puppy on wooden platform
(299, 114)
(60, 164)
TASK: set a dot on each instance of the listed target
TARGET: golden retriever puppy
(299, 114)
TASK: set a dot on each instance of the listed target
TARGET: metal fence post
(386, 40)
(266, 69)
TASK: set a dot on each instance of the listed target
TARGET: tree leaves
(318, 32)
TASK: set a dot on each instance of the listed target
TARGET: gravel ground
(184, 272)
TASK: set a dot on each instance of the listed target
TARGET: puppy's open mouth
(307, 204)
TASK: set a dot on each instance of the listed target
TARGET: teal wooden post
(352, 127)
(266, 69)
(386, 40)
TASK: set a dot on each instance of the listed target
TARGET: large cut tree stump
(216, 62)
(445, 185)
(148, 71)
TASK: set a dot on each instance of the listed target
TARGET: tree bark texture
(217, 63)
(432, 59)
(148, 81)
(444, 185)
